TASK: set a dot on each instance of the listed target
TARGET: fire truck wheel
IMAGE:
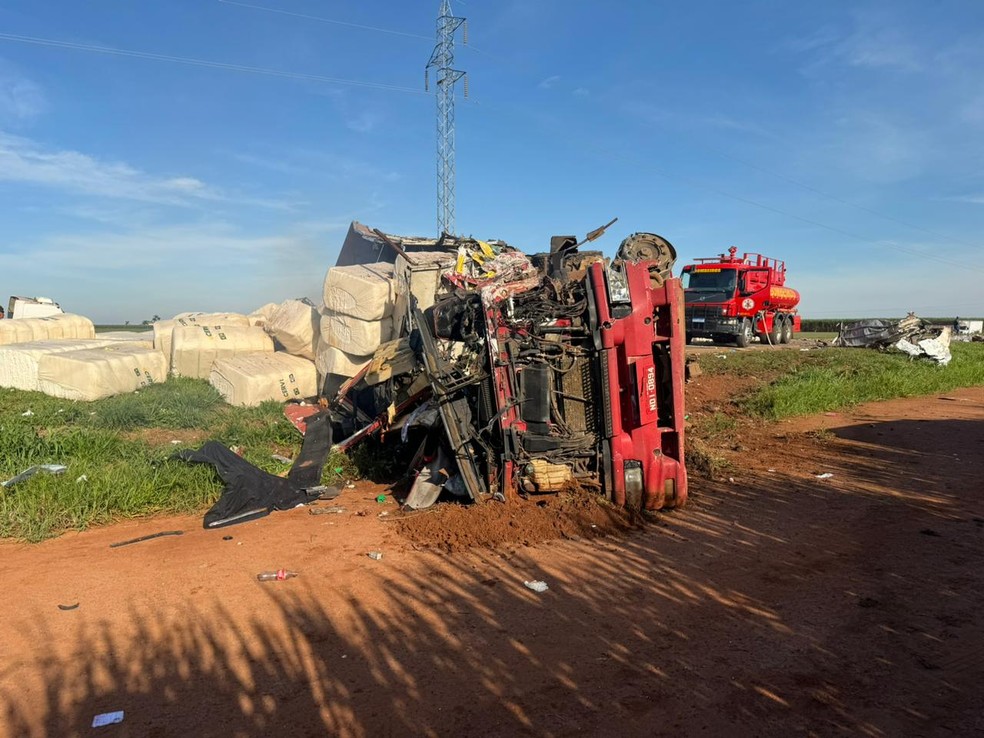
(778, 326)
(744, 337)
(787, 330)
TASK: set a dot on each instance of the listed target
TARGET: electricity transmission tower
(442, 59)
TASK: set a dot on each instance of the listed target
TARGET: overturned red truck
(531, 375)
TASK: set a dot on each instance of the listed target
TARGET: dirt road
(777, 604)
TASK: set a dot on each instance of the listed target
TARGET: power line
(834, 198)
(697, 184)
(319, 19)
(205, 63)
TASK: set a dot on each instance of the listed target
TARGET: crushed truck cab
(566, 370)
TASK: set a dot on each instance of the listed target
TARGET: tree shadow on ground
(771, 607)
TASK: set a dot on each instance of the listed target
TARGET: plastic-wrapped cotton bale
(352, 335)
(164, 329)
(331, 360)
(295, 324)
(92, 374)
(363, 291)
(53, 327)
(185, 319)
(261, 315)
(19, 362)
(249, 379)
(195, 348)
(16, 331)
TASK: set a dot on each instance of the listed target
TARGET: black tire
(787, 330)
(775, 336)
(690, 339)
(744, 337)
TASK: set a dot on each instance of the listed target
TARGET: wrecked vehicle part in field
(547, 372)
(252, 493)
(911, 335)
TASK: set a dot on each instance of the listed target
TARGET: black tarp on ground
(251, 493)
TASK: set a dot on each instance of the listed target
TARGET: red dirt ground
(777, 604)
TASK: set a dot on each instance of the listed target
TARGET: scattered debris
(275, 576)
(73, 606)
(27, 414)
(911, 335)
(380, 499)
(31, 471)
(252, 493)
(375, 555)
(141, 539)
(333, 510)
(281, 459)
(226, 538)
(81, 479)
(536, 585)
(825, 475)
(107, 718)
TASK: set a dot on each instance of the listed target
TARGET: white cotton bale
(261, 315)
(194, 348)
(331, 360)
(53, 327)
(295, 324)
(92, 374)
(186, 319)
(249, 379)
(363, 291)
(19, 362)
(352, 335)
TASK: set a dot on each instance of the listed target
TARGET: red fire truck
(731, 299)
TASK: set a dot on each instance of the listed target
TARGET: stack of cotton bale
(54, 327)
(20, 362)
(103, 371)
(164, 329)
(357, 317)
(286, 374)
(194, 348)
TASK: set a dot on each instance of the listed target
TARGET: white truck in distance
(32, 307)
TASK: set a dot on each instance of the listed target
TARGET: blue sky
(844, 137)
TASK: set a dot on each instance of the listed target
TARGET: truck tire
(787, 329)
(778, 326)
(744, 337)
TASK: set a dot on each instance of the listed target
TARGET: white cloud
(546, 84)
(874, 42)
(581, 92)
(20, 98)
(29, 162)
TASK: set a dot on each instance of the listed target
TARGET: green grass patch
(801, 383)
(118, 453)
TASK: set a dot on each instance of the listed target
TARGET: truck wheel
(787, 330)
(690, 339)
(778, 326)
(744, 337)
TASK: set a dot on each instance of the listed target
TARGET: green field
(118, 454)
(800, 383)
